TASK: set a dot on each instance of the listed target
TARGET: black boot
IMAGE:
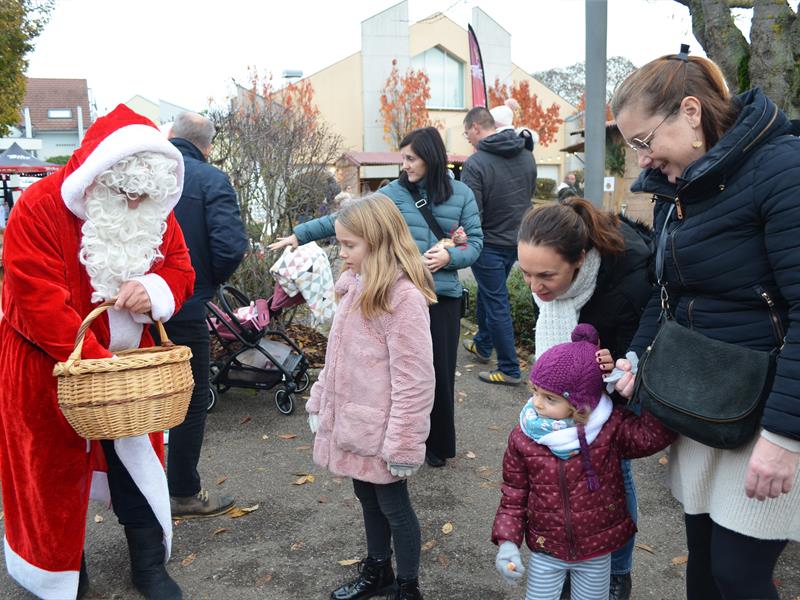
(409, 589)
(375, 577)
(566, 590)
(148, 573)
(620, 588)
(83, 579)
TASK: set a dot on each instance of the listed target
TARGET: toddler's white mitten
(509, 563)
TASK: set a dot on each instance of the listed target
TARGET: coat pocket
(359, 429)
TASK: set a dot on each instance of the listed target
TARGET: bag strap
(661, 248)
(424, 208)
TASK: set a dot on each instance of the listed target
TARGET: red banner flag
(479, 95)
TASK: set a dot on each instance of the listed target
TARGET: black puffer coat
(735, 235)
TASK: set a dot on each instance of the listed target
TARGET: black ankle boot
(148, 573)
(408, 590)
(83, 579)
(620, 588)
(375, 577)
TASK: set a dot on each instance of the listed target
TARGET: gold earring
(696, 143)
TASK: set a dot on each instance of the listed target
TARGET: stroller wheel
(303, 382)
(284, 401)
(212, 398)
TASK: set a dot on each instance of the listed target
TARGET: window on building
(59, 113)
(446, 74)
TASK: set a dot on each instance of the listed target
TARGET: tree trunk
(770, 61)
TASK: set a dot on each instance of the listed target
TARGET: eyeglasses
(643, 144)
(466, 135)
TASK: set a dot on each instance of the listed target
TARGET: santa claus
(98, 229)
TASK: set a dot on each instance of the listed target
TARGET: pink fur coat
(375, 394)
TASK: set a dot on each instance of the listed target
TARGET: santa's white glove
(509, 563)
(313, 422)
(399, 470)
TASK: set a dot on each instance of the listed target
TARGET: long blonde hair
(377, 220)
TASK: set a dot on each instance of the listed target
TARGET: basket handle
(96, 312)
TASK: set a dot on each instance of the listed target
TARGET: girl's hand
(771, 470)
(436, 258)
(283, 242)
(313, 422)
(625, 384)
(604, 360)
(399, 470)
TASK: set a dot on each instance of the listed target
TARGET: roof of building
(43, 94)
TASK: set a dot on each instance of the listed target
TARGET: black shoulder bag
(425, 210)
(711, 391)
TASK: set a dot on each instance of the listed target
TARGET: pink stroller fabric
(254, 318)
(280, 299)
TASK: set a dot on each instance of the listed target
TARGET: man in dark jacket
(502, 175)
(208, 213)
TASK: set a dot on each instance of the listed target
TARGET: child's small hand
(313, 422)
(459, 236)
(508, 555)
(403, 471)
(604, 360)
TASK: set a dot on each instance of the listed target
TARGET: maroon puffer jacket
(547, 499)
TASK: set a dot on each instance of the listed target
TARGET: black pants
(725, 565)
(129, 504)
(186, 440)
(445, 332)
(388, 515)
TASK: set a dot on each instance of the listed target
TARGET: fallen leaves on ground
(303, 479)
(443, 560)
(219, 530)
(266, 578)
(240, 511)
(458, 373)
(679, 560)
(348, 562)
(447, 528)
(470, 454)
(265, 437)
(646, 548)
(287, 436)
(188, 560)
(323, 500)
(296, 546)
(303, 448)
(311, 341)
(98, 518)
(493, 428)
(484, 472)
(222, 479)
(245, 420)
(664, 460)
(428, 545)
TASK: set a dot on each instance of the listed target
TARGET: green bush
(523, 309)
(59, 160)
(545, 188)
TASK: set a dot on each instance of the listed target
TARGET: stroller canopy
(17, 160)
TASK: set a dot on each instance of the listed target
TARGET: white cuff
(162, 302)
(784, 442)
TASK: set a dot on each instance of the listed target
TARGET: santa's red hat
(117, 135)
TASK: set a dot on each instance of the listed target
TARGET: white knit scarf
(559, 317)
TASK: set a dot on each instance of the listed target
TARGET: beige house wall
(337, 94)
(145, 107)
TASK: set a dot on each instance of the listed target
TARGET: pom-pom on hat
(571, 371)
(503, 116)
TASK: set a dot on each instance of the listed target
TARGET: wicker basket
(140, 391)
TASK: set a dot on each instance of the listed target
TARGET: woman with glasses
(724, 172)
(426, 185)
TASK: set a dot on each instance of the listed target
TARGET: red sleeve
(511, 520)
(36, 293)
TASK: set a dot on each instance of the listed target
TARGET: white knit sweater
(708, 480)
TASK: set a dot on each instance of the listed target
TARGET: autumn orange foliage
(582, 107)
(404, 104)
(531, 114)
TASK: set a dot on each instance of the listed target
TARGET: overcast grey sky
(187, 51)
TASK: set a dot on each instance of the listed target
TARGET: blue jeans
(622, 559)
(493, 309)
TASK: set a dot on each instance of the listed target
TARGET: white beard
(119, 243)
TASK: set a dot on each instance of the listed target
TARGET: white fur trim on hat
(119, 144)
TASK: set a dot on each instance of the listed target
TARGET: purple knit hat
(571, 371)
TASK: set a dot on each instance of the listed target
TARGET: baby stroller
(245, 358)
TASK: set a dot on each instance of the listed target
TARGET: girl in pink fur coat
(370, 408)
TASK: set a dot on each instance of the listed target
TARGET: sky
(189, 51)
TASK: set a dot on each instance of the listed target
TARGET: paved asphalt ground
(289, 547)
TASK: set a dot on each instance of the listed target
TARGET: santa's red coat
(46, 467)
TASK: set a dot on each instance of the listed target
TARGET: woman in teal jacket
(452, 203)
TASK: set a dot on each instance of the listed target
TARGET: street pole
(595, 116)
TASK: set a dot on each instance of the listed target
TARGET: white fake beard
(119, 243)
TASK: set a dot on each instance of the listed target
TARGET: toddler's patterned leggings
(590, 578)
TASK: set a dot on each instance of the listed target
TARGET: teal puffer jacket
(458, 209)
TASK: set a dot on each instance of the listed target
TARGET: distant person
(208, 213)
(370, 408)
(502, 175)
(425, 195)
(562, 487)
(568, 188)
